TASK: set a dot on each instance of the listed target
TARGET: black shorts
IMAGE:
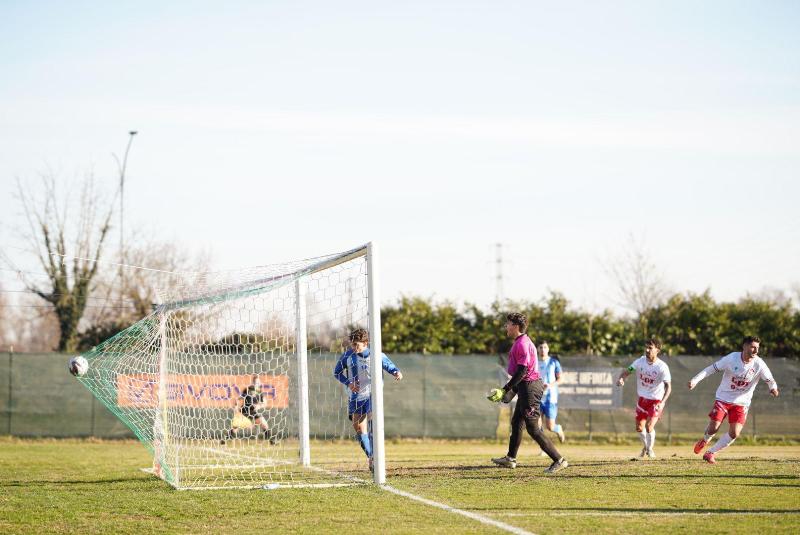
(529, 399)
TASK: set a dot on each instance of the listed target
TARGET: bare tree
(639, 283)
(152, 266)
(31, 327)
(68, 237)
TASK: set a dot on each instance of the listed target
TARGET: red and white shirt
(739, 380)
(650, 378)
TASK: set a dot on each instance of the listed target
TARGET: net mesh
(209, 381)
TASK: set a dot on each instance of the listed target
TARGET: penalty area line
(474, 516)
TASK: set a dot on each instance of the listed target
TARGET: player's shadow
(637, 510)
(487, 471)
(684, 475)
(71, 482)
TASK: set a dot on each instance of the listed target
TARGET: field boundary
(474, 516)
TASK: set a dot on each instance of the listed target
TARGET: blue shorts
(549, 410)
(360, 406)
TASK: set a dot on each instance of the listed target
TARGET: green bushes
(687, 324)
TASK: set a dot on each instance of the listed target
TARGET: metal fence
(440, 397)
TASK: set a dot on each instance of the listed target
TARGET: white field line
(355, 480)
(474, 516)
(266, 486)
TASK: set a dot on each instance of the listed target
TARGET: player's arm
(507, 393)
(558, 370)
(340, 372)
(705, 372)
(519, 375)
(389, 366)
(771, 383)
(624, 375)
(667, 392)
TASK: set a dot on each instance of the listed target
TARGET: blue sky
(271, 131)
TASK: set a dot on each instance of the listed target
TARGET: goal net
(229, 382)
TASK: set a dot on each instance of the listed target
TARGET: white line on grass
(474, 516)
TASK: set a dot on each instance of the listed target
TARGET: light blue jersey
(550, 368)
(354, 367)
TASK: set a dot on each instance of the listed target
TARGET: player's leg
(550, 413)
(715, 417)
(536, 389)
(736, 420)
(509, 460)
(263, 426)
(650, 430)
(641, 420)
(360, 427)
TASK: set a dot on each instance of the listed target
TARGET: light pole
(122, 168)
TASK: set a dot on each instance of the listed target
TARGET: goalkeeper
(251, 406)
(352, 370)
(526, 382)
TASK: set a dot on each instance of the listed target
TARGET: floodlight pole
(122, 169)
(376, 367)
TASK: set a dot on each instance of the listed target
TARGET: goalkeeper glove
(495, 394)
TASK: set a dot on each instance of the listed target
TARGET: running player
(653, 385)
(741, 371)
(551, 375)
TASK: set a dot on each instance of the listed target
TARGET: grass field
(74, 486)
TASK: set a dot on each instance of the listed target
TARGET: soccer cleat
(556, 466)
(699, 445)
(505, 461)
(651, 454)
(643, 453)
(709, 458)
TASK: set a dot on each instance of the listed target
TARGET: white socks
(643, 438)
(708, 438)
(650, 440)
(723, 442)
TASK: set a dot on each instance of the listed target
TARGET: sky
(271, 131)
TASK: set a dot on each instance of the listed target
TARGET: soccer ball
(78, 366)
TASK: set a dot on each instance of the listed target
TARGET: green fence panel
(439, 397)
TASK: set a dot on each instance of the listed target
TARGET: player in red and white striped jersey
(741, 372)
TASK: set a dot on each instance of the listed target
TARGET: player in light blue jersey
(551, 374)
(352, 370)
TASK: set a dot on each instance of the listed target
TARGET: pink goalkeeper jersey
(523, 353)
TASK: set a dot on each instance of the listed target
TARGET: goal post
(376, 368)
(230, 381)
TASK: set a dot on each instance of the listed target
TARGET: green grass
(74, 486)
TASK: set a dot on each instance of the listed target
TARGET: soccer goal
(229, 382)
